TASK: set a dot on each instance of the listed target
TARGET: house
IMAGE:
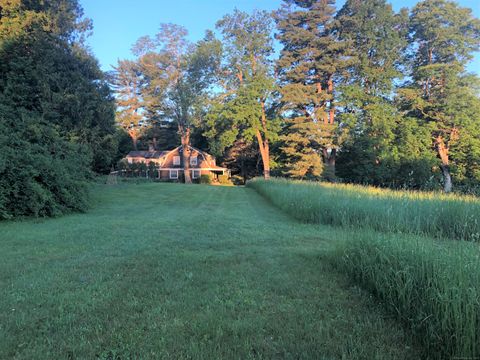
(170, 163)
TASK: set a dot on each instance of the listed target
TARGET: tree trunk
(331, 115)
(264, 152)
(133, 134)
(185, 138)
(332, 158)
(263, 144)
(447, 178)
(442, 150)
(322, 103)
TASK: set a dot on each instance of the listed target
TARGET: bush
(224, 180)
(433, 288)
(206, 179)
(237, 180)
(36, 181)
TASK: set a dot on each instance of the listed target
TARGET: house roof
(159, 154)
(163, 154)
(147, 154)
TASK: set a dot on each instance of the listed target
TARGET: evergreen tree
(56, 107)
(377, 35)
(440, 95)
(310, 61)
(126, 81)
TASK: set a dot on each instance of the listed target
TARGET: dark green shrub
(40, 173)
(152, 170)
(206, 179)
(237, 180)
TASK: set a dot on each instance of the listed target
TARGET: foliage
(206, 179)
(242, 158)
(126, 81)
(176, 77)
(224, 180)
(244, 109)
(55, 108)
(301, 151)
(41, 173)
(313, 58)
(441, 96)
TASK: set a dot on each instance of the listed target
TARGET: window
(193, 160)
(173, 174)
(176, 160)
(195, 174)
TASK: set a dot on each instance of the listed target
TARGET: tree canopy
(56, 110)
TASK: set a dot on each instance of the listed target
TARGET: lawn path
(182, 272)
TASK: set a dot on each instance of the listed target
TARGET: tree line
(57, 112)
(361, 94)
(358, 94)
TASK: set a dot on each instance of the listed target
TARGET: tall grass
(432, 214)
(431, 287)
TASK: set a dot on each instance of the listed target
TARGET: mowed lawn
(182, 272)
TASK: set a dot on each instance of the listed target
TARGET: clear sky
(119, 23)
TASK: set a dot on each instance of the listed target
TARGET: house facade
(170, 163)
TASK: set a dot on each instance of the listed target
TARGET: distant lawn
(182, 272)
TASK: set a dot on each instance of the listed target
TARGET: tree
(126, 81)
(443, 38)
(55, 107)
(311, 58)
(302, 159)
(178, 77)
(377, 38)
(244, 108)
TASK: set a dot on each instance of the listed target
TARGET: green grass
(183, 272)
(354, 206)
(431, 286)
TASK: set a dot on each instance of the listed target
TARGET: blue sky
(119, 23)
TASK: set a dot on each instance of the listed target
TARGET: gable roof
(159, 154)
(147, 154)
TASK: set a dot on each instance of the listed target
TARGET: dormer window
(193, 160)
(176, 160)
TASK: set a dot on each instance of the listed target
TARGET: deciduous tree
(244, 109)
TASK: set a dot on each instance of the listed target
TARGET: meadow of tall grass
(431, 285)
(421, 213)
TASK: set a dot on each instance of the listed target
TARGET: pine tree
(126, 81)
(443, 38)
(378, 39)
(54, 106)
(310, 61)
